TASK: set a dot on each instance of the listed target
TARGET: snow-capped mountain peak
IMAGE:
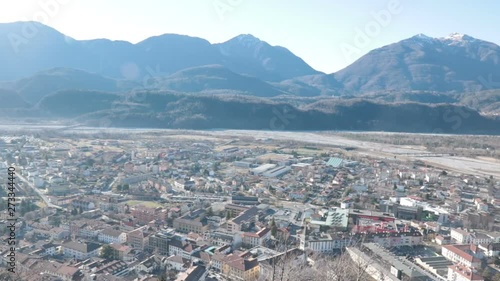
(457, 39)
(455, 36)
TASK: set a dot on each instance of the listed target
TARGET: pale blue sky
(315, 30)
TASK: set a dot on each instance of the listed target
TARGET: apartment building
(466, 255)
(258, 238)
(194, 221)
(112, 235)
(81, 250)
(238, 267)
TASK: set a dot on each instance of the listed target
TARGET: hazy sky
(325, 33)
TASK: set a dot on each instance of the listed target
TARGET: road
(40, 193)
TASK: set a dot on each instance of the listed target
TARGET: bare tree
(294, 265)
(345, 267)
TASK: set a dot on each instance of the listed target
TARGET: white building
(389, 240)
(466, 255)
(464, 237)
(258, 238)
(460, 236)
(323, 242)
(81, 251)
(111, 235)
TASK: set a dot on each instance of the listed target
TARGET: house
(490, 249)
(48, 249)
(181, 184)
(194, 273)
(462, 273)
(138, 238)
(482, 207)
(147, 266)
(218, 261)
(182, 248)
(144, 215)
(83, 205)
(44, 249)
(241, 268)
(258, 238)
(177, 263)
(66, 273)
(58, 233)
(89, 231)
(54, 233)
(123, 252)
(112, 235)
(442, 240)
(460, 236)
(81, 250)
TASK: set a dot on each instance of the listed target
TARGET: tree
(107, 252)
(55, 220)
(216, 166)
(274, 228)
(163, 277)
(210, 212)
(293, 265)
(228, 215)
(487, 273)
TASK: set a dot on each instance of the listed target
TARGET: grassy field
(149, 204)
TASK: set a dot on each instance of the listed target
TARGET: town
(182, 205)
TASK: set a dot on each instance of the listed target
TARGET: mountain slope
(11, 99)
(216, 77)
(249, 55)
(29, 47)
(454, 63)
(312, 85)
(34, 88)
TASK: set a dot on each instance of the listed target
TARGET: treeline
(167, 109)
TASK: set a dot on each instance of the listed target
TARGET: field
(149, 204)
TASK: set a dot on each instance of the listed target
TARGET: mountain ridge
(171, 52)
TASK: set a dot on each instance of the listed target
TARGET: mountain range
(40, 63)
